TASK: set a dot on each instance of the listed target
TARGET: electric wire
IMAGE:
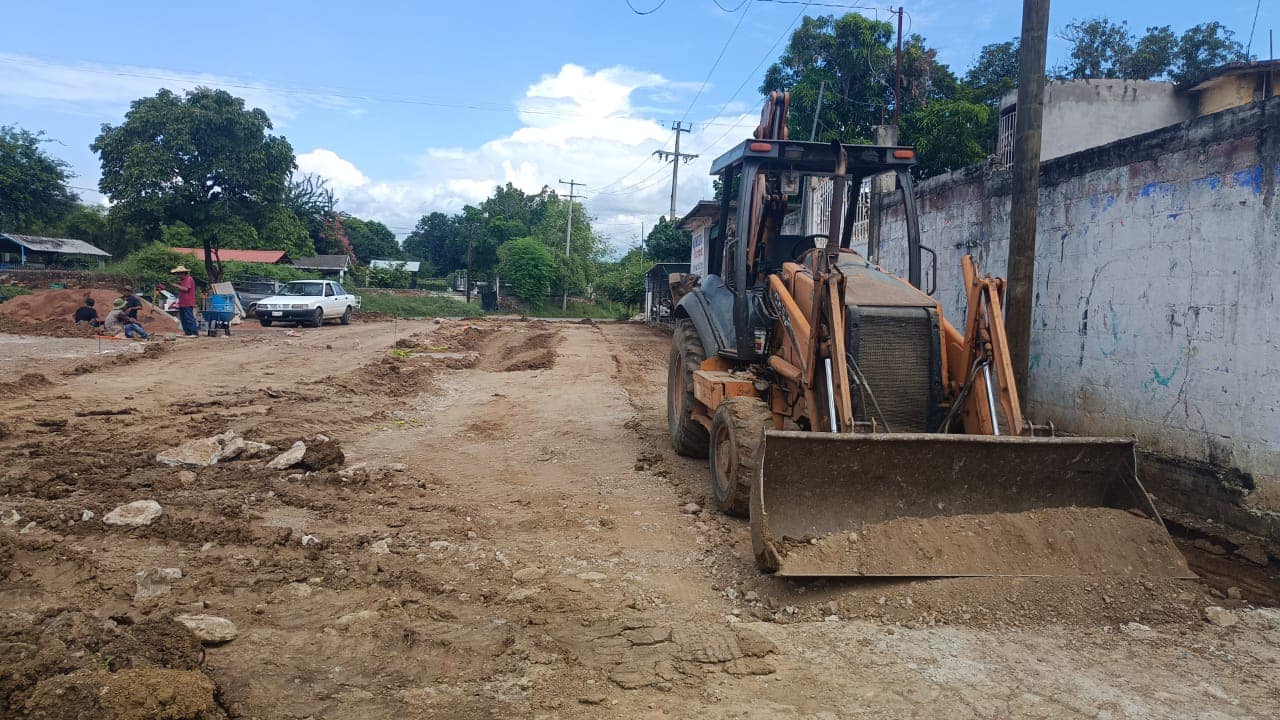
(655, 9)
(723, 49)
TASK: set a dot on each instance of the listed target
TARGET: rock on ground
(528, 574)
(210, 629)
(195, 453)
(135, 514)
(1221, 617)
(288, 458)
(155, 581)
(322, 456)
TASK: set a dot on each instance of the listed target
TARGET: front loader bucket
(930, 505)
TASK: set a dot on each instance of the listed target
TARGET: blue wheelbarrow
(219, 311)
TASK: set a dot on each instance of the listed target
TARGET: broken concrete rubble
(135, 514)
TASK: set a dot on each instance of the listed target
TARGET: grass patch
(417, 305)
(602, 310)
(13, 291)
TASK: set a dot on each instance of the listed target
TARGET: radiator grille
(894, 353)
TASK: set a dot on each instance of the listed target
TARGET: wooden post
(1026, 189)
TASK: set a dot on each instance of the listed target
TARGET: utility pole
(470, 237)
(675, 158)
(813, 134)
(1026, 189)
(897, 82)
(568, 235)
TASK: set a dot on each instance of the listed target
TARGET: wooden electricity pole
(1026, 189)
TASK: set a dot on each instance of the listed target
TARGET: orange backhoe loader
(861, 432)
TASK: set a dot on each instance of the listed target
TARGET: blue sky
(410, 107)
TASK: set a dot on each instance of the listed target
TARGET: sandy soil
(517, 543)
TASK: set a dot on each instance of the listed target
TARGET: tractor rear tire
(737, 439)
(688, 437)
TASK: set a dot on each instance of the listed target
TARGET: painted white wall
(1080, 114)
(1157, 274)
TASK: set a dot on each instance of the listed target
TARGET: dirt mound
(59, 662)
(55, 309)
(1049, 541)
(24, 385)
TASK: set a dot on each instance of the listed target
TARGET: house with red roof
(270, 257)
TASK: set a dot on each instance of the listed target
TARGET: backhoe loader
(861, 432)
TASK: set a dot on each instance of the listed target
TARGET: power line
(655, 9)
(1248, 48)
(768, 54)
(744, 2)
(724, 48)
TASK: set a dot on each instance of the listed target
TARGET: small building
(327, 265)
(35, 252)
(1234, 84)
(410, 266)
(700, 223)
(658, 306)
(268, 257)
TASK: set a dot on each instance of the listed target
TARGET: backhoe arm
(980, 369)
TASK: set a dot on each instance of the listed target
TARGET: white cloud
(341, 174)
(91, 88)
(577, 124)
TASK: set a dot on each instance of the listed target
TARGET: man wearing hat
(186, 301)
(117, 321)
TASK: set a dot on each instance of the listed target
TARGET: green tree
(85, 222)
(529, 266)
(1153, 54)
(282, 230)
(179, 234)
(371, 240)
(201, 159)
(1203, 48)
(668, 243)
(623, 281)
(311, 200)
(1100, 48)
(948, 135)
(33, 184)
(993, 74)
(577, 271)
(852, 56)
(437, 239)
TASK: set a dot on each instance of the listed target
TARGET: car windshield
(303, 288)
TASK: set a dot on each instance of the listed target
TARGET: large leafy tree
(623, 281)
(577, 271)
(851, 59)
(33, 184)
(948, 134)
(437, 239)
(530, 268)
(993, 74)
(371, 240)
(668, 243)
(311, 200)
(1203, 48)
(1100, 48)
(202, 159)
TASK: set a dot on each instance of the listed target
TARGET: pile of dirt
(24, 385)
(54, 309)
(64, 662)
(1049, 541)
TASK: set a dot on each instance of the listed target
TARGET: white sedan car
(309, 302)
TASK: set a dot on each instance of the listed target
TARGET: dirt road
(509, 537)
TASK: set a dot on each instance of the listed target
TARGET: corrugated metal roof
(408, 265)
(65, 246)
(255, 256)
(323, 262)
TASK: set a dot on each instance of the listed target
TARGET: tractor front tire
(737, 439)
(688, 437)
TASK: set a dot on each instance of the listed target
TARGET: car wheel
(266, 322)
(346, 316)
(251, 310)
(317, 318)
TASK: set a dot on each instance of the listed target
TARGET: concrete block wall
(1155, 299)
